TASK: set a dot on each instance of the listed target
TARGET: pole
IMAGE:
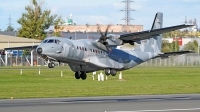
(32, 57)
(39, 71)
(6, 58)
(61, 74)
(21, 72)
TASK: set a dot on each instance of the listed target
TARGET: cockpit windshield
(52, 41)
(45, 41)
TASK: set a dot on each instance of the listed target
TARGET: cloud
(54, 9)
(190, 0)
(13, 5)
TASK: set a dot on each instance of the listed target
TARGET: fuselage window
(101, 52)
(93, 50)
(80, 48)
(85, 49)
(51, 41)
(77, 47)
(96, 51)
(45, 41)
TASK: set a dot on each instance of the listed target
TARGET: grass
(139, 80)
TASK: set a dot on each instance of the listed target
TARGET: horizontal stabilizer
(167, 54)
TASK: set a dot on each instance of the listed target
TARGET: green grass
(139, 80)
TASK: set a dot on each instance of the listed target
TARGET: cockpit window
(58, 41)
(51, 41)
(55, 41)
(45, 41)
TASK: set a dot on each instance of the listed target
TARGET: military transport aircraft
(88, 55)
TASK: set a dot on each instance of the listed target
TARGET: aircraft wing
(167, 54)
(33, 47)
(137, 36)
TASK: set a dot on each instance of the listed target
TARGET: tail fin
(158, 23)
(154, 44)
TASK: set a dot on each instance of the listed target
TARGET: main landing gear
(112, 72)
(51, 65)
(81, 75)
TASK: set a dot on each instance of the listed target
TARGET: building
(11, 41)
(71, 26)
(94, 28)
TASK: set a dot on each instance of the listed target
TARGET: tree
(35, 21)
(9, 28)
(195, 43)
(175, 46)
(190, 46)
(166, 46)
(58, 27)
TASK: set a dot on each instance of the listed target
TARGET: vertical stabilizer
(157, 24)
(158, 21)
(154, 44)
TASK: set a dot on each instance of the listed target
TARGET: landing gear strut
(51, 65)
(81, 75)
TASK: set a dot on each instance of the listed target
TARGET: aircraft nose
(39, 50)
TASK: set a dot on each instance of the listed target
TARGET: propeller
(103, 37)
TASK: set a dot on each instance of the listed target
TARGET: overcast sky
(107, 11)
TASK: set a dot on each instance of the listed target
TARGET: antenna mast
(9, 24)
(127, 11)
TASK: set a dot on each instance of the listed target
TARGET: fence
(182, 60)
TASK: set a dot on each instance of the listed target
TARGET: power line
(9, 19)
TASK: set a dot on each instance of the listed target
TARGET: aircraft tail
(154, 44)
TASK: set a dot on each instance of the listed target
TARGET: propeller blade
(107, 30)
(98, 27)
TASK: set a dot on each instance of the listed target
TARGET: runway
(138, 103)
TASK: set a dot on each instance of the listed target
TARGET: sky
(107, 11)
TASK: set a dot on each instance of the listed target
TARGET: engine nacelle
(113, 40)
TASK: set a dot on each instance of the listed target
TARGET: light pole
(198, 45)
(175, 42)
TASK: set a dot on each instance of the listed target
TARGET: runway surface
(139, 103)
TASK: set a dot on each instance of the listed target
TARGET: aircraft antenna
(127, 11)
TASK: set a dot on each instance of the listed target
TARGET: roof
(6, 38)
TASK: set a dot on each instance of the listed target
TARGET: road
(137, 103)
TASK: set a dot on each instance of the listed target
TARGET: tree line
(182, 34)
(35, 20)
(174, 46)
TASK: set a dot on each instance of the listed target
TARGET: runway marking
(76, 102)
(164, 110)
